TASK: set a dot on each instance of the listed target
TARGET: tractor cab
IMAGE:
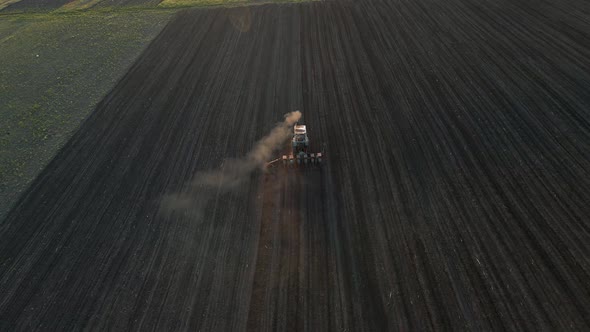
(300, 139)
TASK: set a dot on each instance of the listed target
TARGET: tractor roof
(300, 129)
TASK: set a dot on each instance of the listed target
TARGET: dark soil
(454, 195)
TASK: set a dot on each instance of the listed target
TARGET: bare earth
(454, 196)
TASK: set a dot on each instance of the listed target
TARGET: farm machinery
(299, 156)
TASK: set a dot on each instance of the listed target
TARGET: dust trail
(234, 171)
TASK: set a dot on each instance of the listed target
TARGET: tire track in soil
(454, 196)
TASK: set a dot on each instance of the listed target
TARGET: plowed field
(454, 194)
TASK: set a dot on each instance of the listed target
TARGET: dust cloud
(234, 172)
